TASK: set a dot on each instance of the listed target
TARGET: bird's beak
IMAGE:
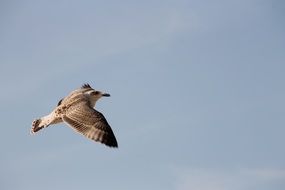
(106, 95)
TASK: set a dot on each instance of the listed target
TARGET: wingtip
(113, 145)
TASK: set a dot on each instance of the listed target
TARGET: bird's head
(92, 94)
(95, 95)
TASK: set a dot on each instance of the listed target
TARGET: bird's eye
(95, 92)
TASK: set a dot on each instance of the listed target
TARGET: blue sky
(197, 93)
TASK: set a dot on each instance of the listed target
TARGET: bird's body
(77, 111)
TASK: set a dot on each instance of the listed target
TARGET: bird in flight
(77, 111)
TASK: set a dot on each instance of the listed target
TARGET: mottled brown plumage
(77, 111)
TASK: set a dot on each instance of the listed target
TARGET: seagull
(77, 111)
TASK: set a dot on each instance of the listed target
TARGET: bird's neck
(93, 103)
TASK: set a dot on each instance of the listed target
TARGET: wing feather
(90, 123)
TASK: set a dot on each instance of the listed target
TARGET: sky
(197, 93)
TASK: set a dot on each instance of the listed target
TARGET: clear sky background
(197, 93)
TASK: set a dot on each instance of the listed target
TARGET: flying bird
(77, 111)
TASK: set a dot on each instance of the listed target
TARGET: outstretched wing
(90, 123)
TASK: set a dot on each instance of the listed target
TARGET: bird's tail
(36, 126)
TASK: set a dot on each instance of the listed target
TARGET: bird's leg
(43, 122)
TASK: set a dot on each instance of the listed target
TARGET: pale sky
(197, 93)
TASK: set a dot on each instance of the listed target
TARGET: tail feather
(36, 126)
